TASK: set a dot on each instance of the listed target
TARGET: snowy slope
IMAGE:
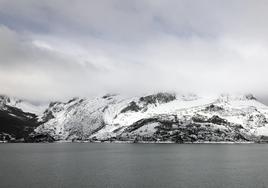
(79, 118)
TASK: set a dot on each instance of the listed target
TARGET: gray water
(133, 165)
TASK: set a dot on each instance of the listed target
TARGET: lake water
(133, 165)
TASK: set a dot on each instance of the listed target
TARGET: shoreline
(131, 142)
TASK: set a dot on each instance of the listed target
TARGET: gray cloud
(58, 49)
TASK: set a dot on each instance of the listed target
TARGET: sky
(55, 50)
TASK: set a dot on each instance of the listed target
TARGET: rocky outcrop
(157, 98)
(131, 107)
(37, 138)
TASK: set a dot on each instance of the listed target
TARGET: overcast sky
(56, 49)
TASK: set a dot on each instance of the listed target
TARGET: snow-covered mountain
(17, 119)
(160, 117)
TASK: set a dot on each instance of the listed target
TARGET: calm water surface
(133, 165)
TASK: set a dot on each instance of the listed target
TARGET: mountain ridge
(159, 117)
